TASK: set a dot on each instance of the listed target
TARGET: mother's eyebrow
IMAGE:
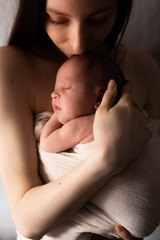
(56, 12)
(101, 10)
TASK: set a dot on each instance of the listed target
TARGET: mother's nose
(78, 39)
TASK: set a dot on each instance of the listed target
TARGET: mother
(44, 35)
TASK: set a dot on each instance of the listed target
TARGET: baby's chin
(63, 120)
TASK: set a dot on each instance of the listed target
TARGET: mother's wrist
(102, 160)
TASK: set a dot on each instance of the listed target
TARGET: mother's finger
(126, 92)
(110, 95)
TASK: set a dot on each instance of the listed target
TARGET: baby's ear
(100, 90)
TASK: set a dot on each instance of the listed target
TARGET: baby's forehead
(75, 66)
(77, 62)
(80, 65)
(79, 69)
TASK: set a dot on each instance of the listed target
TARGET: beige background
(143, 32)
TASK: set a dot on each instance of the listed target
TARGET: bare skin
(74, 101)
(72, 90)
(24, 79)
(56, 137)
(34, 84)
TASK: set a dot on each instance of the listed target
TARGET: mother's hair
(29, 24)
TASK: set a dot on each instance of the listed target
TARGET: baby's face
(74, 95)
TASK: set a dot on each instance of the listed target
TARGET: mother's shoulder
(14, 70)
(17, 55)
(10, 52)
(18, 62)
(12, 59)
(139, 59)
(143, 70)
(139, 65)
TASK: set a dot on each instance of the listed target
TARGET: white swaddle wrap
(130, 199)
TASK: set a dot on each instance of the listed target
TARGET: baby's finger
(109, 95)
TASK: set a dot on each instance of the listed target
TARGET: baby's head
(80, 84)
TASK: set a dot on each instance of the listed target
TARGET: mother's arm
(152, 72)
(144, 72)
(38, 208)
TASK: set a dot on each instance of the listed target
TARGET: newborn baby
(80, 84)
(131, 198)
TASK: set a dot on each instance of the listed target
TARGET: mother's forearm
(42, 208)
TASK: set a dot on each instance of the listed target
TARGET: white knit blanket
(131, 198)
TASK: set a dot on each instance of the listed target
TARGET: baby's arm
(51, 125)
(59, 137)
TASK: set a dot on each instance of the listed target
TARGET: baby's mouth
(56, 108)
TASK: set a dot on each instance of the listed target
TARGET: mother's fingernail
(111, 85)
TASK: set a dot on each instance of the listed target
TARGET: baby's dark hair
(104, 69)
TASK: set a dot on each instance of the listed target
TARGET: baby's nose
(55, 95)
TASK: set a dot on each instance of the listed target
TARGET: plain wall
(143, 31)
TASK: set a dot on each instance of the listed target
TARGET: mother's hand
(120, 132)
(124, 234)
(121, 231)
